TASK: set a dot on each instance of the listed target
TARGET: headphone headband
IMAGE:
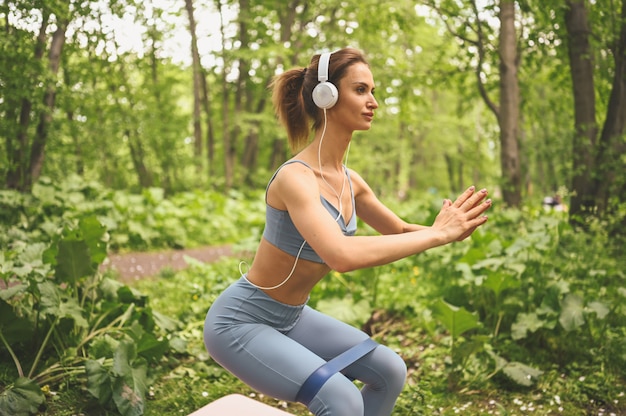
(322, 67)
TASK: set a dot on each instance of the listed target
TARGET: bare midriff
(271, 266)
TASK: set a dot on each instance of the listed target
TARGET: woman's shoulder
(289, 169)
(292, 181)
(295, 168)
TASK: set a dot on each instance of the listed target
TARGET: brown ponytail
(289, 106)
(292, 95)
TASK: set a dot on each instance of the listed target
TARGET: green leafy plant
(62, 320)
(526, 304)
(135, 221)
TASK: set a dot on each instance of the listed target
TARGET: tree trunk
(287, 17)
(210, 131)
(251, 149)
(137, 155)
(609, 163)
(278, 154)
(403, 160)
(229, 162)
(78, 148)
(586, 129)
(461, 166)
(197, 85)
(135, 145)
(37, 151)
(508, 119)
(19, 168)
(73, 127)
(450, 168)
(243, 97)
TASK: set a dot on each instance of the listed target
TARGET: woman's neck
(332, 151)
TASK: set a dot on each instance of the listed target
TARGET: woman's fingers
(479, 208)
(470, 199)
(464, 196)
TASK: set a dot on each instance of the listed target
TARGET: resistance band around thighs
(314, 383)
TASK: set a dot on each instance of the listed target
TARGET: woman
(260, 328)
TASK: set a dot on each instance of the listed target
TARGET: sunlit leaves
(455, 319)
(572, 315)
(499, 282)
(522, 374)
(525, 323)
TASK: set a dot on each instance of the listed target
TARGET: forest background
(523, 96)
(121, 118)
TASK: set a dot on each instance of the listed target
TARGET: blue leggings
(274, 348)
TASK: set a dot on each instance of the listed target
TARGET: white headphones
(325, 93)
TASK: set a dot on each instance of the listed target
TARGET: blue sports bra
(282, 233)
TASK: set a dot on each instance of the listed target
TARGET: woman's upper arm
(376, 214)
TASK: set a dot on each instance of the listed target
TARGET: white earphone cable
(319, 161)
(339, 197)
(244, 275)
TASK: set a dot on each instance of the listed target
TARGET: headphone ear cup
(325, 95)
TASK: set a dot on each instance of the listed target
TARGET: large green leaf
(499, 282)
(526, 322)
(56, 303)
(109, 289)
(572, 312)
(99, 380)
(456, 320)
(166, 323)
(129, 382)
(127, 294)
(103, 347)
(600, 309)
(9, 292)
(146, 344)
(14, 328)
(32, 255)
(29, 261)
(129, 392)
(522, 374)
(151, 348)
(23, 398)
(73, 261)
(94, 232)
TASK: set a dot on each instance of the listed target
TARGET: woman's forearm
(359, 252)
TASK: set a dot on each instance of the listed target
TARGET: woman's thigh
(264, 359)
(324, 335)
(382, 370)
(244, 332)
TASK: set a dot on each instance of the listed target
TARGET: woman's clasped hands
(457, 220)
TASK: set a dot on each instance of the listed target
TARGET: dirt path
(135, 266)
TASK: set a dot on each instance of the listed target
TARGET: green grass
(190, 382)
(534, 294)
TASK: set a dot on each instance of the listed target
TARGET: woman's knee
(391, 367)
(338, 397)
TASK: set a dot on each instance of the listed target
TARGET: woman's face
(356, 104)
